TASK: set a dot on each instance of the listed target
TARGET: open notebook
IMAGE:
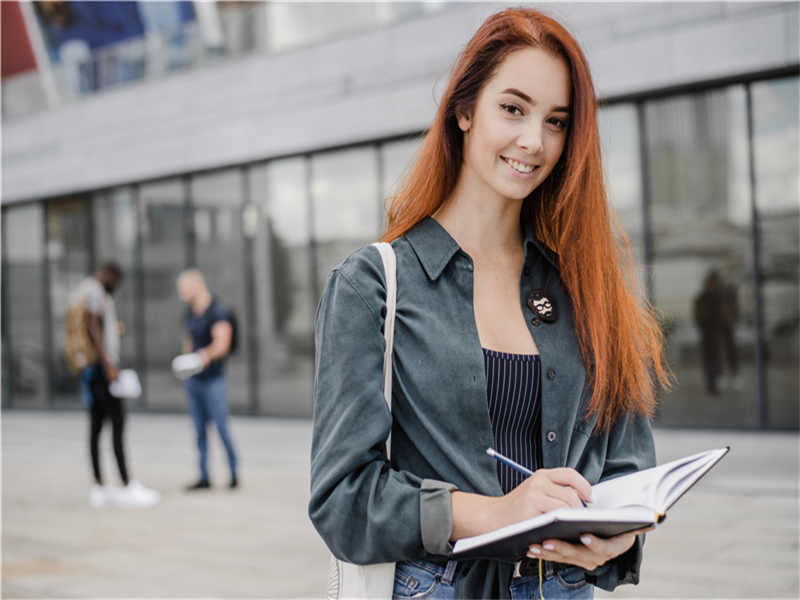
(620, 505)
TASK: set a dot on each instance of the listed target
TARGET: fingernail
(534, 551)
(586, 540)
(549, 547)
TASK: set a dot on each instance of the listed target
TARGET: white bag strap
(390, 270)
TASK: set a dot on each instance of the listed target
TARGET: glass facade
(165, 224)
(705, 185)
(285, 303)
(116, 240)
(26, 379)
(345, 206)
(777, 214)
(620, 134)
(702, 254)
(70, 255)
(217, 202)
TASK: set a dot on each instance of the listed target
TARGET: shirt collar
(544, 249)
(435, 247)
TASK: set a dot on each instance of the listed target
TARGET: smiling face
(517, 131)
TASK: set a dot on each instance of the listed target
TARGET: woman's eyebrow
(523, 96)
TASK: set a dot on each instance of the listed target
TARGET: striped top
(513, 390)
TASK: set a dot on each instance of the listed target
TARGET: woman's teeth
(520, 167)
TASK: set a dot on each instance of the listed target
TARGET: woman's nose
(531, 140)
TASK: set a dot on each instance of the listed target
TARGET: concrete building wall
(367, 86)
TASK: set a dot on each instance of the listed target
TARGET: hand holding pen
(515, 465)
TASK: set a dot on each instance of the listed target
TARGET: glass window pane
(69, 262)
(397, 157)
(163, 222)
(115, 240)
(347, 210)
(219, 250)
(776, 141)
(619, 133)
(703, 272)
(23, 305)
(285, 304)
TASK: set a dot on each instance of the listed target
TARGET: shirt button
(551, 373)
(526, 271)
(535, 321)
(551, 436)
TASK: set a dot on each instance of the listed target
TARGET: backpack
(234, 330)
(79, 349)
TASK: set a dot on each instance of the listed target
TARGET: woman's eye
(559, 123)
(512, 109)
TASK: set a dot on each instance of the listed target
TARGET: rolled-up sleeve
(436, 516)
(365, 511)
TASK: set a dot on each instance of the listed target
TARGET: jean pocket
(416, 580)
(571, 578)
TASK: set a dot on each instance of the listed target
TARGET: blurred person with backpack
(92, 350)
(209, 335)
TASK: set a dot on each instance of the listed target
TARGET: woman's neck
(482, 226)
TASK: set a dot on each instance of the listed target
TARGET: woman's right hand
(545, 490)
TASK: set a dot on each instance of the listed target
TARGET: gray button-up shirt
(368, 510)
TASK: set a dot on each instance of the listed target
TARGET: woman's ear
(464, 122)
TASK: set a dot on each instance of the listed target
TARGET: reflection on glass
(703, 274)
(347, 212)
(69, 262)
(619, 133)
(217, 203)
(282, 280)
(23, 303)
(164, 222)
(775, 119)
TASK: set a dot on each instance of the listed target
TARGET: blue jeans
(421, 579)
(208, 401)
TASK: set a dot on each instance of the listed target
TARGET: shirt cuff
(621, 570)
(436, 516)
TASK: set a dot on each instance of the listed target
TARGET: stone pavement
(733, 536)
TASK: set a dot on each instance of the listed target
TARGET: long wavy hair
(620, 339)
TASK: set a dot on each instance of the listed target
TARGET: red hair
(620, 339)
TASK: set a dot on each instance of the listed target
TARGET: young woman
(518, 327)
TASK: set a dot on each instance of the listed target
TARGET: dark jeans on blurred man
(208, 401)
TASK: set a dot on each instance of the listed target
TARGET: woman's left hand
(589, 554)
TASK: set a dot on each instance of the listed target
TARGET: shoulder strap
(390, 269)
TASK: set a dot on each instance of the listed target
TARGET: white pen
(507, 461)
(514, 465)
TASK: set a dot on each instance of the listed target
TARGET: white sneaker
(135, 495)
(101, 496)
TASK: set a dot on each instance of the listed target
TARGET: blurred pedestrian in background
(518, 326)
(92, 348)
(208, 335)
(716, 312)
